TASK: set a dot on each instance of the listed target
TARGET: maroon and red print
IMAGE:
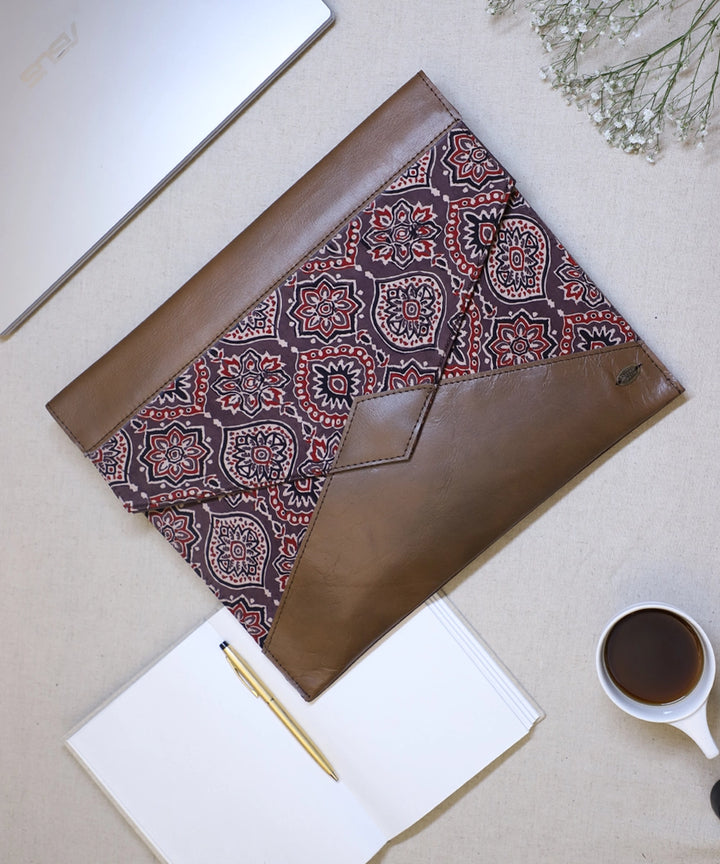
(447, 272)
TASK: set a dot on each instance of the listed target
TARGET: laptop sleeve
(381, 375)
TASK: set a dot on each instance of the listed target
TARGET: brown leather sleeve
(493, 446)
(100, 400)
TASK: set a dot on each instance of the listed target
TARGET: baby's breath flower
(631, 101)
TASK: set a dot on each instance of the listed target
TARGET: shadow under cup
(656, 663)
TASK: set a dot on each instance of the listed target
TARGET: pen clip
(246, 682)
(229, 654)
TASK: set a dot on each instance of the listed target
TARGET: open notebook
(205, 772)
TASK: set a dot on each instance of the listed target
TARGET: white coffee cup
(689, 712)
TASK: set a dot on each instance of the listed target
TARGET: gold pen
(257, 688)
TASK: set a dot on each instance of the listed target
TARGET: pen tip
(224, 645)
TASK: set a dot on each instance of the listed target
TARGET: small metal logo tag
(628, 374)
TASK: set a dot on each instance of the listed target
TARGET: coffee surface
(654, 656)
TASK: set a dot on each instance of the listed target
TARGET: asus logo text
(57, 50)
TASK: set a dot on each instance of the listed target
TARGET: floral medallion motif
(175, 454)
(408, 375)
(182, 397)
(575, 284)
(260, 323)
(285, 561)
(518, 261)
(321, 455)
(471, 227)
(325, 308)
(469, 162)
(253, 618)
(177, 527)
(328, 380)
(111, 459)
(258, 455)
(250, 382)
(521, 340)
(401, 233)
(294, 502)
(237, 550)
(408, 311)
(596, 329)
(338, 253)
(416, 176)
(466, 352)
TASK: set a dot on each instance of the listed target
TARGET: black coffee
(654, 656)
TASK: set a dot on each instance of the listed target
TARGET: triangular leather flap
(493, 447)
(383, 427)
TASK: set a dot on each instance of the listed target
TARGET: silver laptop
(103, 101)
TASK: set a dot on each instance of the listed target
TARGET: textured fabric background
(92, 594)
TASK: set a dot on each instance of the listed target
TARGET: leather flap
(383, 427)
(493, 447)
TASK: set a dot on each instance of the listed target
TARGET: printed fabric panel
(447, 272)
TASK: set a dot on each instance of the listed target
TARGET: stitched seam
(306, 540)
(331, 233)
(287, 672)
(669, 378)
(438, 95)
(65, 427)
(413, 431)
(561, 359)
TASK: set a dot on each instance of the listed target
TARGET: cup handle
(695, 726)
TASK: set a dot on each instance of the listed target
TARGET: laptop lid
(103, 102)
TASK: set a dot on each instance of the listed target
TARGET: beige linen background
(90, 595)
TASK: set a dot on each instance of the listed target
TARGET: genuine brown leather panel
(383, 426)
(93, 406)
(492, 448)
